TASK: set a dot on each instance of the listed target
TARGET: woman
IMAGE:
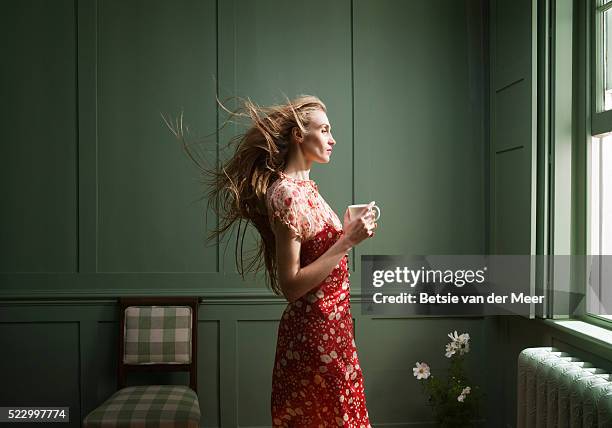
(317, 380)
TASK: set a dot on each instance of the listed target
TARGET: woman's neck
(298, 175)
(300, 172)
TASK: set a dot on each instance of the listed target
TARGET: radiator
(555, 389)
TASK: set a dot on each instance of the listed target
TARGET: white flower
(421, 371)
(463, 347)
(464, 393)
(460, 344)
(459, 338)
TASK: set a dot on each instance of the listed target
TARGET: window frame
(601, 121)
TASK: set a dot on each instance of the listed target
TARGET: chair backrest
(158, 334)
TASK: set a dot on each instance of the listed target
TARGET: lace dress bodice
(298, 204)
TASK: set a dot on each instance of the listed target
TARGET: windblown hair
(237, 189)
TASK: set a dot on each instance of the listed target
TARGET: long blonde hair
(237, 188)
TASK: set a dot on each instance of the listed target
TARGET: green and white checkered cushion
(157, 334)
(148, 406)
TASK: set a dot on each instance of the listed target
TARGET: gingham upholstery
(157, 334)
(148, 406)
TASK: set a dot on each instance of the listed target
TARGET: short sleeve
(287, 203)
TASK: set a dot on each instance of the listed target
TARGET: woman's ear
(297, 134)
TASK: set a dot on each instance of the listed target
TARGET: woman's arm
(295, 281)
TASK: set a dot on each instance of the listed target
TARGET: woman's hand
(361, 227)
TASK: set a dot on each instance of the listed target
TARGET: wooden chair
(155, 334)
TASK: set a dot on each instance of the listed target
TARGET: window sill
(587, 330)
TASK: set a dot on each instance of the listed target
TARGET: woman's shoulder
(288, 202)
(284, 187)
(284, 183)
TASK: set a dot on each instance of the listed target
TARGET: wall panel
(272, 48)
(513, 185)
(255, 351)
(513, 142)
(40, 364)
(154, 57)
(38, 179)
(414, 134)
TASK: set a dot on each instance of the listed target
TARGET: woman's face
(318, 143)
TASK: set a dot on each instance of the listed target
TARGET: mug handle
(378, 211)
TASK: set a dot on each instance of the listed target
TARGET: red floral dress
(317, 380)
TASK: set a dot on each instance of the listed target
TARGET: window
(600, 195)
(603, 47)
(600, 225)
(599, 164)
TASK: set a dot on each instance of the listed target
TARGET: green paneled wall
(41, 365)
(270, 48)
(406, 122)
(418, 150)
(101, 202)
(65, 353)
(152, 57)
(38, 180)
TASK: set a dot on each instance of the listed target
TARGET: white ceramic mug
(354, 210)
